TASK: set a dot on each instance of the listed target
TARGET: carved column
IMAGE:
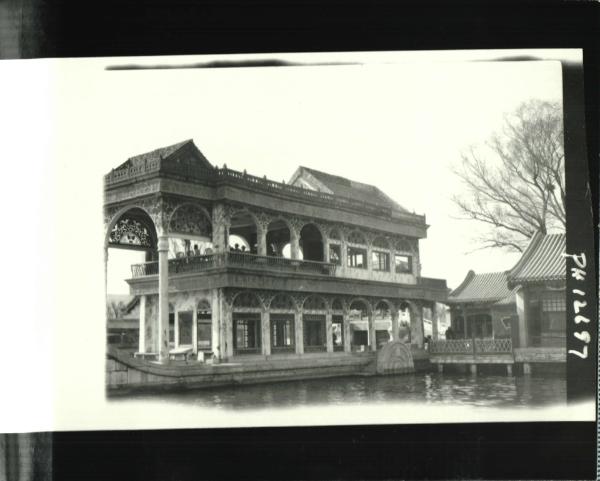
(329, 332)
(261, 241)
(434, 321)
(262, 227)
(220, 220)
(346, 335)
(176, 333)
(299, 331)
(265, 320)
(195, 330)
(216, 313)
(295, 227)
(395, 330)
(371, 327)
(372, 336)
(142, 336)
(416, 324)
(163, 299)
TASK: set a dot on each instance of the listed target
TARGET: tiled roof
(487, 287)
(349, 188)
(161, 154)
(542, 261)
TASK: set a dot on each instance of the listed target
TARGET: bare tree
(516, 184)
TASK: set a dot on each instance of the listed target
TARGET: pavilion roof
(542, 260)
(164, 153)
(489, 287)
(337, 185)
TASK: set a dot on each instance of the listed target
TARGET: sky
(400, 126)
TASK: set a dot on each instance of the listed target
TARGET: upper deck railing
(243, 179)
(192, 264)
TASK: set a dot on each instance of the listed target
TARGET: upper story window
(403, 263)
(357, 257)
(380, 261)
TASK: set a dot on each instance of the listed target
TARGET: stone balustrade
(192, 264)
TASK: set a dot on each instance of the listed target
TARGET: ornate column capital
(163, 243)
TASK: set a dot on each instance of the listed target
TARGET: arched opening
(311, 243)
(314, 311)
(130, 241)
(278, 237)
(204, 330)
(359, 325)
(404, 318)
(190, 232)
(243, 233)
(382, 316)
(246, 317)
(337, 324)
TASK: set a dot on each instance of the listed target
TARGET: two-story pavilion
(250, 268)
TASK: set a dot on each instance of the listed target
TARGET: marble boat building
(243, 274)
(250, 280)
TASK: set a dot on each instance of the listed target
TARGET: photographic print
(306, 240)
(348, 233)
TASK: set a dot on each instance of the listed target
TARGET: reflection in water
(430, 388)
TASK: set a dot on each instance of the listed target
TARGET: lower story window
(554, 313)
(282, 332)
(337, 328)
(204, 334)
(246, 336)
(314, 332)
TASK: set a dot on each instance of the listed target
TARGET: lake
(488, 390)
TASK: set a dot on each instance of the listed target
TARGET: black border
(456, 451)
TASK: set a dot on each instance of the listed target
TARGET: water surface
(487, 390)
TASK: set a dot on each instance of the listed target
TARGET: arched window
(246, 299)
(311, 243)
(359, 325)
(204, 319)
(356, 237)
(314, 303)
(282, 301)
(190, 219)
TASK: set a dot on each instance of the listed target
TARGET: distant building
(539, 279)
(483, 307)
(123, 316)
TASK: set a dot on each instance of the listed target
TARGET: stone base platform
(128, 374)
